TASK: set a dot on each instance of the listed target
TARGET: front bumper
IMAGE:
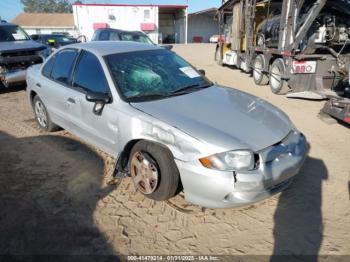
(13, 77)
(218, 189)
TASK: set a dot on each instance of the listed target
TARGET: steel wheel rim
(276, 78)
(40, 114)
(144, 173)
(257, 70)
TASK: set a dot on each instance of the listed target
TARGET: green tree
(47, 6)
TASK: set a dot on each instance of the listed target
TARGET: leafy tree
(47, 6)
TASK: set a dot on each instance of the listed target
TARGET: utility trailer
(299, 47)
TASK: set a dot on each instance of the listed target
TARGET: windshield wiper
(141, 97)
(188, 88)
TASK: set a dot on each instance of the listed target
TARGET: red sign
(100, 25)
(148, 27)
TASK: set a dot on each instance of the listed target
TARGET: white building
(45, 23)
(163, 23)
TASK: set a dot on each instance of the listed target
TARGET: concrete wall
(202, 25)
(118, 17)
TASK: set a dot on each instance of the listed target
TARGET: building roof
(44, 20)
(161, 6)
(103, 48)
(209, 11)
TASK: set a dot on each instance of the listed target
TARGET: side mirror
(202, 72)
(100, 99)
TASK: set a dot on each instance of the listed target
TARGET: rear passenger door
(56, 83)
(101, 130)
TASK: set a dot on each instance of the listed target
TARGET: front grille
(20, 62)
(19, 53)
(285, 146)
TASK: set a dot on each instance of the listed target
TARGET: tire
(159, 165)
(278, 85)
(42, 117)
(260, 78)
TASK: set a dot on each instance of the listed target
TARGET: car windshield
(58, 38)
(125, 36)
(153, 74)
(11, 33)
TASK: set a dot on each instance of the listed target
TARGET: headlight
(238, 160)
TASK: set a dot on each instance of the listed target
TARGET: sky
(9, 9)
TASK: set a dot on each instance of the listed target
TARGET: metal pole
(186, 24)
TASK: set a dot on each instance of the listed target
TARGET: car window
(136, 38)
(113, 36)
(104, 36)
(89, 74)
(63, 65)
(10, 33)
(48, 67)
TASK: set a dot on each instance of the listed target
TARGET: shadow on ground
(298, 228)
(11, 89)
(49, 187)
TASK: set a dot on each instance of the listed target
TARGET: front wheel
(154, 171)
(278, 85)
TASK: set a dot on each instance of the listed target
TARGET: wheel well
(125, 154)
(32, 95)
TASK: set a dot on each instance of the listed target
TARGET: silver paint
(192, 126)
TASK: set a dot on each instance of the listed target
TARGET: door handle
(38, 84)
(71, 100)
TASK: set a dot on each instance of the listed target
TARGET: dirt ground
(55, 199)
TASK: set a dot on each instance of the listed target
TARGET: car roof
(7, 24)
(104, 48)
(109, 29)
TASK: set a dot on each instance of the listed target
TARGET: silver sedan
(167, 125)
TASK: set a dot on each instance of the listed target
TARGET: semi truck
(300, 48)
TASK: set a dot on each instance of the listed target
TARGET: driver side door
(98, 129)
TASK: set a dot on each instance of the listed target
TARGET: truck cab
(17, 52)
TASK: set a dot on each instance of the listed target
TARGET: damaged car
(17, 52)
(168, 126)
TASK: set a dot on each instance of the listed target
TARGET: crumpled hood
(14, 46)
(224, 117)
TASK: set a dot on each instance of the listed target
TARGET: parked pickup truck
(17, 52)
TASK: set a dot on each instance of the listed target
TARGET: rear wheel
(278, 85)
(154, 171)
(260, 78)
(42, 117)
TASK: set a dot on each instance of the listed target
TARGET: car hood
(223, 117)
(16, 46)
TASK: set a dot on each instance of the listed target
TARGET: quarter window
(48, 67)
(63, 65)
(89, 74)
